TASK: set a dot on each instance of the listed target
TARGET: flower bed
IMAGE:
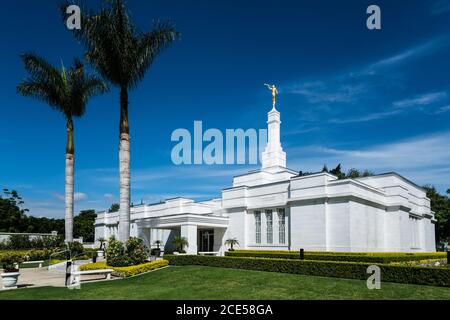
(127, 271)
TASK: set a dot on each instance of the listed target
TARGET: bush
(115, 254)
(137, 251)
(126, 271)
(9, 259)
(35, 255)
(75, 248)
(118, 256)
(337, 269)
(19, 241)
(29, 255)
(372, 257)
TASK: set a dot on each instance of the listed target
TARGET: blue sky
(377, 100)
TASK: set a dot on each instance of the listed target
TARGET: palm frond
(44, 81)
(119, 52)
(67, 91)
(82, 87)
(150, 44)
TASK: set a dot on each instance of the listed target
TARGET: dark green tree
(12, 216)
(338, 172)
(440, 204)
(114, 208)
(84, 225)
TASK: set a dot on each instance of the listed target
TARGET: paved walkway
(42, 277)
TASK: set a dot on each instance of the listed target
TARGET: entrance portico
(201, 231)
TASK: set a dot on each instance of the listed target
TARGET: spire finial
(274, 91)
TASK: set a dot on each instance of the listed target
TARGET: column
(190, 233)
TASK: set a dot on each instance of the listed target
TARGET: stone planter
(9, 279)
(100, 253)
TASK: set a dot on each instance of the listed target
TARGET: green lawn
(195, 282)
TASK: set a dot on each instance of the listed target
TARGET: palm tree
(68, 92)
(122, 55)
(231, 243)
(180, 242)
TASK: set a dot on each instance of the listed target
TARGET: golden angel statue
(274, 93)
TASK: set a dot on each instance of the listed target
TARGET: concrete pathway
(43, 277)
(40, 277)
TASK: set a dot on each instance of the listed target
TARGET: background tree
(114, 208)
(231, 243)
(15, 220)
(440, 204)
(180, 242)
(84, 225)
(122, 55)
(12, 217)
(338, 172)
(67, 92)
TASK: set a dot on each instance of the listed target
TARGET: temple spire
(273, 157)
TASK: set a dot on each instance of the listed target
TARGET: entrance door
(206, 241)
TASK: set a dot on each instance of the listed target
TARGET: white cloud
(367, 117)
(362, 86)
(422, 100)
(334, 92)
(109, 196)
(406, 55)
(443, 109)
(78, 196)
(422, 159)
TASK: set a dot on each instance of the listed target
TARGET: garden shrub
(21, 242)
(127, 271)
(115, 254)
(141, 268)
(36, 255)
(29, 255)
(338, 269)
(75, 248)
(372, 257)
(8, 260)
(134, 252)
(137, 251)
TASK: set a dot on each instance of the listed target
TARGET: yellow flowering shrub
(93, 266)
(126, 271)
(141, 268)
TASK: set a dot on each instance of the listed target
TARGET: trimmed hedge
(372, 257)
(31, 255)
(127, 271)
(338, 269)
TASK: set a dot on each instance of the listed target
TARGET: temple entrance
(206, 240)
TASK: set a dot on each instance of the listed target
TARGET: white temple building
(276, 209)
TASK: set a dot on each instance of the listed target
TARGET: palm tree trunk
(70, 159)
(124, 159)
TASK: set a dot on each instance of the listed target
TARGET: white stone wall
(308, 225)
